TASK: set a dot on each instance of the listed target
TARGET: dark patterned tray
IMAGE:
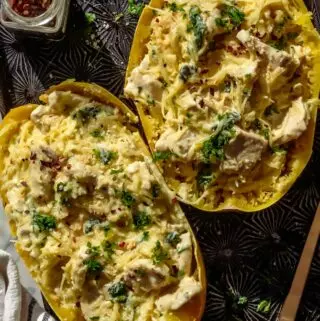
(249, 257)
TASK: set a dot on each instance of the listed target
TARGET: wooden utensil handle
(291, 304)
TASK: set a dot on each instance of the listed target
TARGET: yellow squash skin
(302, 150)
(191, 311)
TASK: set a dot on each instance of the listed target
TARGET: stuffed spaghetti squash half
(98, 229)
(227, 92)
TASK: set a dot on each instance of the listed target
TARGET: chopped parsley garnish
(43, 222)
(174, 7)
(127, 199)
(257, 124)
(151, 101)
(119, 292)
(159, 156)
(104, 156)
(155, 190)
(173, 238)
(272, 109)
(159, 254)
(186, 72)
(116, 171)
(97, 133)
(135, 7)
(93, 251)
(265, 133)
(90, 224)
(197, 25)
(65, 193)
(243, 300)
(108, 248)
(61, 187)
(279, 44)
(264, 306)
(262, 129)
(90, 17)
(278, 150)
(145, 236)
(212, 149)
(85, 114)
(205, 176)
(141, 220)
(231, 17)
(95, 318)
(93, 266)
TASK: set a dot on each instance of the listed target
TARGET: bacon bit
(122, 244)
(174, 200)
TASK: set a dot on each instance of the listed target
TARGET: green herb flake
(265, 133)
(155, 190)
(93, 266)
(135, 7)
(213, 148)
(42, 223)
(205, 176)
(173, 238)
(93, 251)
(119, 292)
(104, 156)
(186, 72)
(116, 171)
(159, 254)
(95, 318)
(231, 18)
(197, 25)
(89, 225)
(174, 7)
(151, 101)
(85, 114)
(127, 199)
(270, 110)
(108, 248)
(277, 150)
(90, 17)
(264, 306)
(160, 156)
(145, 236)
(243, 300)
(141, 220)
(279, 44)
(97, 133)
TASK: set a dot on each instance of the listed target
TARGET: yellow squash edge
(302, 154)
(193, 310)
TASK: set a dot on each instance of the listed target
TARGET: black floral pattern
(249, 258)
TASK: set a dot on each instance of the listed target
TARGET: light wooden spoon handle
(291, 304)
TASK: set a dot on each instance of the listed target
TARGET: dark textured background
(250, 255)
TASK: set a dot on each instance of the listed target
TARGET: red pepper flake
(122, 244)
(174, 200)
(30, 8)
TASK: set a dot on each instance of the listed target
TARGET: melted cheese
(213, 58)
(90, 212)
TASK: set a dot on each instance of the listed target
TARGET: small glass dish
(51, 22)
